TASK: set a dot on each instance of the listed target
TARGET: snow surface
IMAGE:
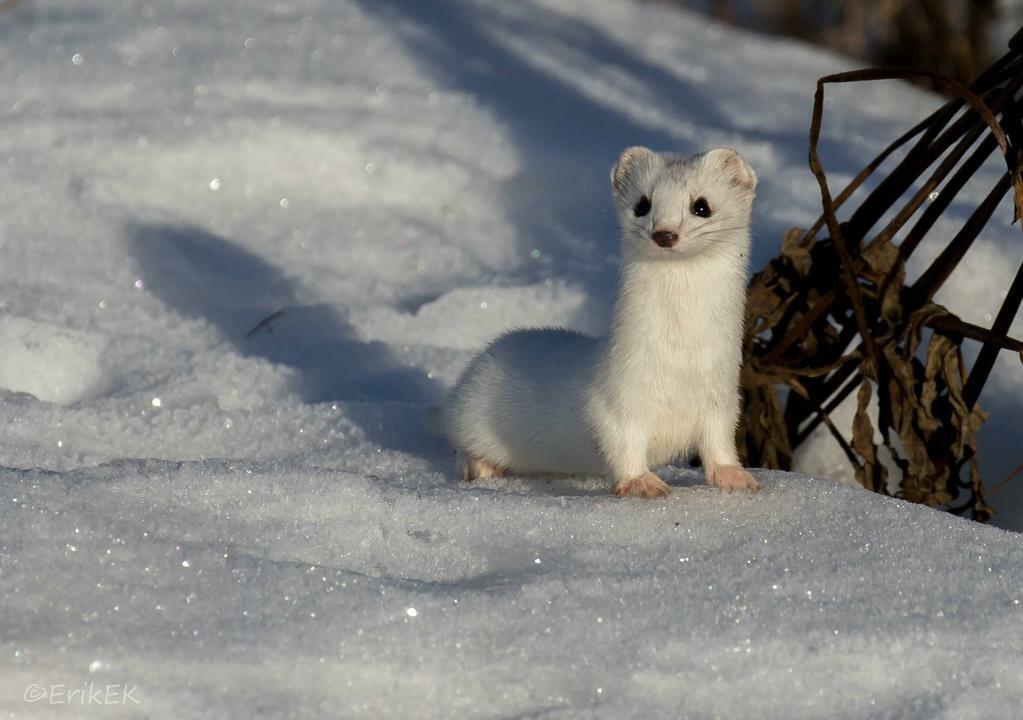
(229, 589)
(406, 180)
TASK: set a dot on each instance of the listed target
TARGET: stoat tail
(433, 419)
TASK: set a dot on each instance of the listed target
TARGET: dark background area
(957, 38)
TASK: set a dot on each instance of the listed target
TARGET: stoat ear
(731, 162)
(630, 162)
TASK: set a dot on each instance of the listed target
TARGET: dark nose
(665, 238)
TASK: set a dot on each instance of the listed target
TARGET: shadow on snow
(206, 276)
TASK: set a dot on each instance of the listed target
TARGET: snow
(243, 518)
(222, 587)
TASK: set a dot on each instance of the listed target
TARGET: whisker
(719, 230)
(712, 233)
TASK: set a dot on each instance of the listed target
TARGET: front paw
(731, 478)
(646, 485)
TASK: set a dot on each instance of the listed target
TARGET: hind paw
(473, 469)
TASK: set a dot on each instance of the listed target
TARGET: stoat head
(673, 207)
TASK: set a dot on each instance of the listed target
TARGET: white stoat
(664, 382)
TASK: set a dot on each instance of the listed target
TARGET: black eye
(642, 207)
(700, 207)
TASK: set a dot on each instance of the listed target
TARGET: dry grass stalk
(823, 340)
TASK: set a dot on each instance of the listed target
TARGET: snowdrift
(227, 589)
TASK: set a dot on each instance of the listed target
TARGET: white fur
(664, 382)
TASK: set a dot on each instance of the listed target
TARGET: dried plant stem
(802, 323)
